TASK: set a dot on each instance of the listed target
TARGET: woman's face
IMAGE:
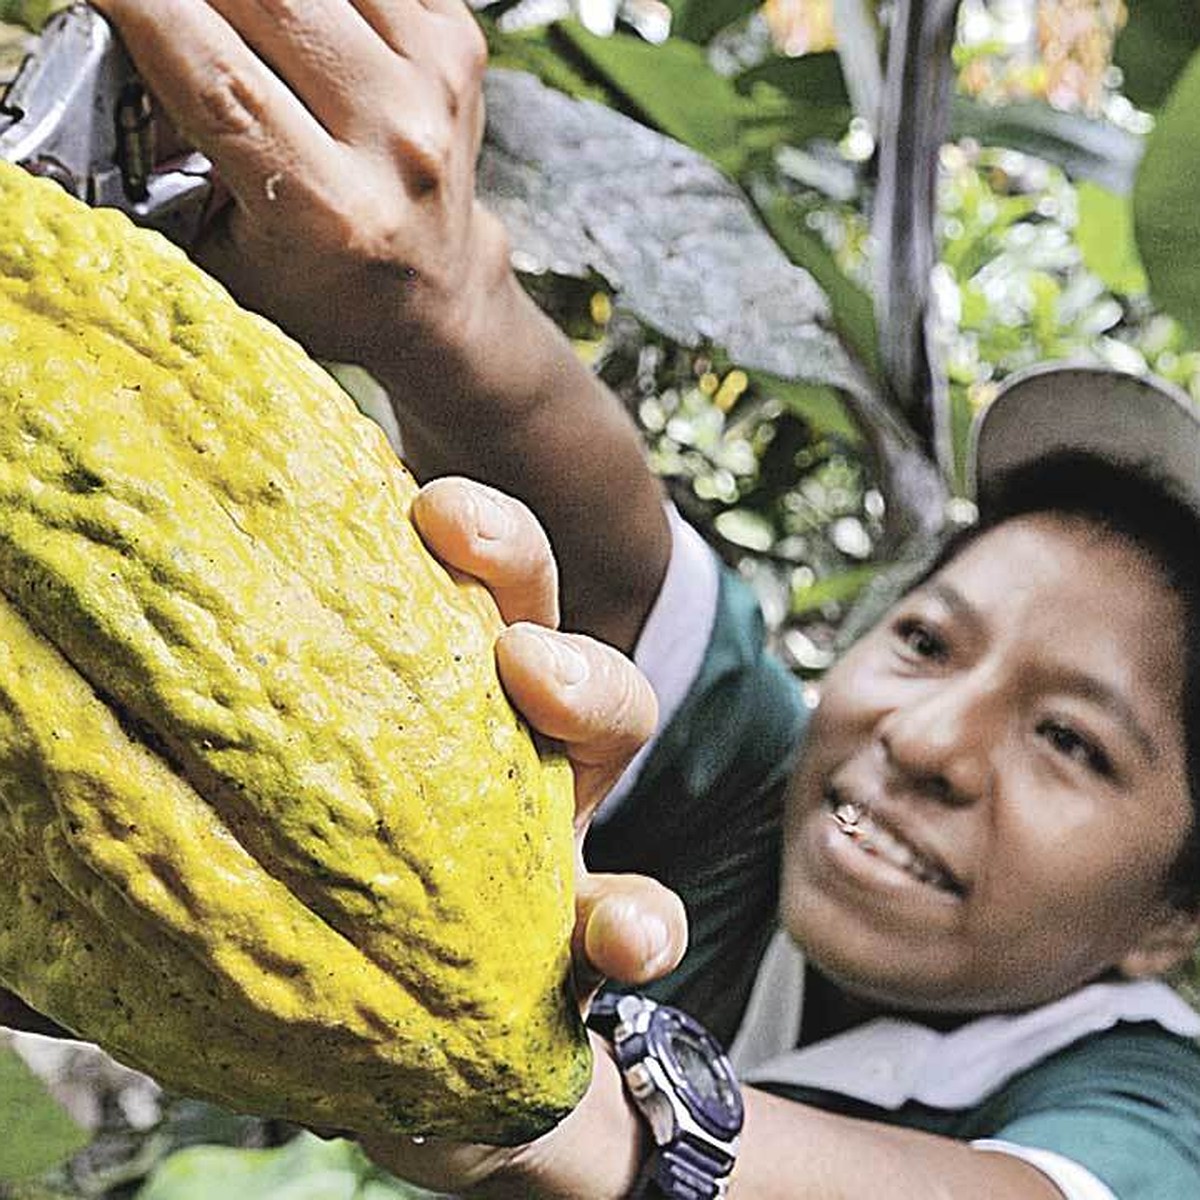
(994, 787)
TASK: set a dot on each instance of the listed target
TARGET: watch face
(702, 1072)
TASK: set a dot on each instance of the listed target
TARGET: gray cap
(1134, 421)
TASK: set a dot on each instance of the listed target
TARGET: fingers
(430, 31)
(571, 688)
(323, 49)
(275, 89)
(496, 539)
(584, 694)
(628, 927)
(225, 100)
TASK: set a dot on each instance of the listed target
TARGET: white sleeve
(670, 650)
(1075, 1182)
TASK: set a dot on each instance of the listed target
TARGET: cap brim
(1131, 421)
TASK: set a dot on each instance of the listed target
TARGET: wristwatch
(683, 1084)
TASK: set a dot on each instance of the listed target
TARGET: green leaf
(531, 50)
(1166, 215)
(674, 89)
(37, 1132)
(852, 308)
(307, 1168)
(698, 20)
(1105, 237)
(808, 78)
(32, 14)
(841, 588)
(823, 408)
(813, 86)
(1154, 47)
(1084, 148)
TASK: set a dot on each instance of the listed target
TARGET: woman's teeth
(856, 823)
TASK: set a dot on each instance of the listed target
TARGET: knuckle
(472, 55)
(226, 104)
(465, 52)
(424, 150)
(281, 12)
(475, 47)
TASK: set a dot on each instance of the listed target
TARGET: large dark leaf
(852, 309)
(807, 78)
(1158, 39)
(1084, 148)
(583, 189)
(1166, 215)
(673, 88)
(698, 20)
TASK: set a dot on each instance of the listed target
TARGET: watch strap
(683, 1169)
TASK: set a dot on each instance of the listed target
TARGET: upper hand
(345, 133)
(592, 700)
(583, 694)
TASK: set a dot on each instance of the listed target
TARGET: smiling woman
(988, 842)
(996, 739)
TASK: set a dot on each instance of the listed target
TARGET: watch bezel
(720, 1119)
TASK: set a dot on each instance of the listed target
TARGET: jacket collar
(889, 1062)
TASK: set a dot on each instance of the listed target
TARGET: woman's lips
(876, 835)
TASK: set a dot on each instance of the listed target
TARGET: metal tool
(78, 113)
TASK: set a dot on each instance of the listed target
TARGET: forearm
(502, 398)
(795, 1152)
(789, 1151)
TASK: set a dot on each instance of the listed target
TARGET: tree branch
(913, 125)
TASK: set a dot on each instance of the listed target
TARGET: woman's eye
(920, 641)
(1075, 746)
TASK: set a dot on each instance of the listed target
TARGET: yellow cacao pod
(269, 829)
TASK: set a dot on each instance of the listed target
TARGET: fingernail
(492, 517)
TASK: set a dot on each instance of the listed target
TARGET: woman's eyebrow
(956, 603)
(1113, 701)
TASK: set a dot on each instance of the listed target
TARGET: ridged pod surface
(269, 829)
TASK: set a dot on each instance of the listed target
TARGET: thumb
(627, 927)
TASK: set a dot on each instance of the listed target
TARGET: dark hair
(1145, 510)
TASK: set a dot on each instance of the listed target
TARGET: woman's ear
(1165, 945)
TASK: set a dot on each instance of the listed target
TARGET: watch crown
(639, 1080)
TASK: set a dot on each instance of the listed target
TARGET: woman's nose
(939, 741)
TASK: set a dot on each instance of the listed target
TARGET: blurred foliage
(38, 1134)
(1034, 265)
(1153, 48)
(31, 14)
(1167, 223)
(306, 1168)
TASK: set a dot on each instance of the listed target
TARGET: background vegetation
(804, 241)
